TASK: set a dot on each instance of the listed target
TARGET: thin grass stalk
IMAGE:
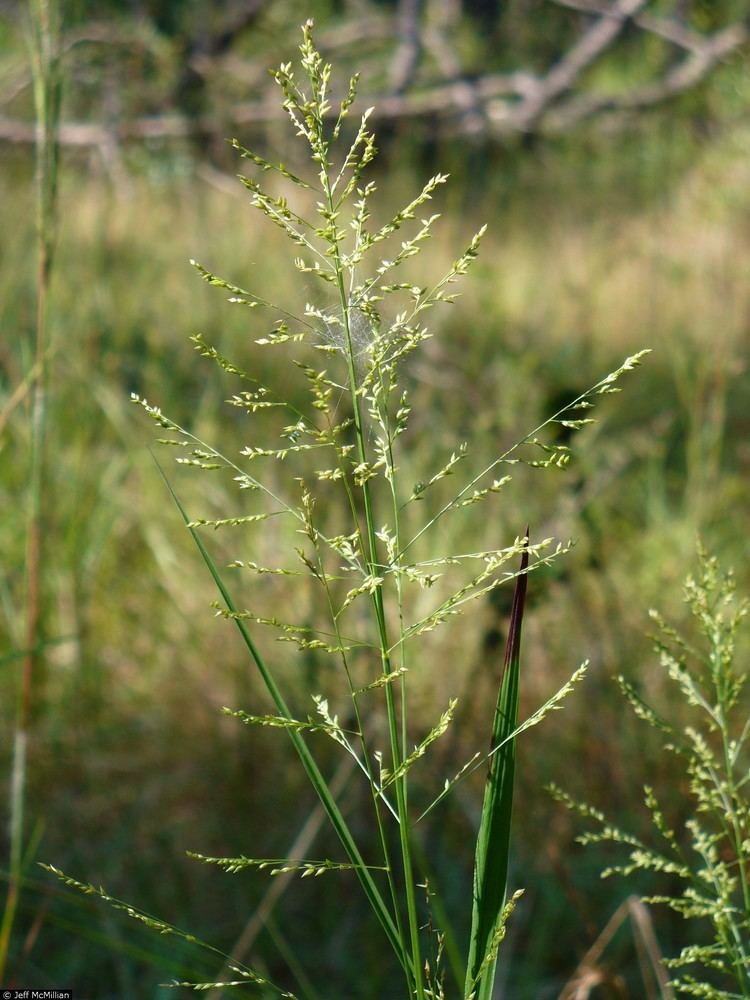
(367, 760)
(45, 66)
(298, 849)
(311, 768)
(379, 608)
(367, 766)
(732, 799)
(393, 725)
(441, 917)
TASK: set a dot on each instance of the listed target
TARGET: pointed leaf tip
(513, 643)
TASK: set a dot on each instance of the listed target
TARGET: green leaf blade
(493, 840)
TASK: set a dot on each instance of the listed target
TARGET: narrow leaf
(493, 840)
(315, 777)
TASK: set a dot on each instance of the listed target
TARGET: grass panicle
(709, 852)
(372, 563)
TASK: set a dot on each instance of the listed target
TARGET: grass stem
(44, 52)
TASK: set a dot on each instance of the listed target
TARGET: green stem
(311, 768)
(366, 756)
(45, 73)
(377, 599)
(736, 831)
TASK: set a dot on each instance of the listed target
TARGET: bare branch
(694, 68)
(499, 103)
(437, 43)
(561, 78)
(409, 48)
(345, 35)
(244, 14)
(446, 98)
(670, 29)
(94, 33)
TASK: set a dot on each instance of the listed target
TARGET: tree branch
(409, 49)
(670, 29)
(687, 74)
(499, 103)
(561, 78)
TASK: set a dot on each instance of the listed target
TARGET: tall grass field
(284, 644)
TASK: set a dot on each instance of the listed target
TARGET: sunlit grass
(554, 301)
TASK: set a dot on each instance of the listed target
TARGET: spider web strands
(604, 387)
(423, 298)
(249, 976)
(479, 760)
(281, 866)
(242, 297)
(335, 815)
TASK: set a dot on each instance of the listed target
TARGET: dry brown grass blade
(279, 885)
(589, 973)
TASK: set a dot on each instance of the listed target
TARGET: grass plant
(375, 575)
(704, 858)
(44, 41)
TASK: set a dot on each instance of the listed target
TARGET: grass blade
(311, 768)
(493, 839)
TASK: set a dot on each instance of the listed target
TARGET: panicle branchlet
(706, 726)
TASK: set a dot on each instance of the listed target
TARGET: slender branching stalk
(380, 587)
(710, 855)
(44, 51)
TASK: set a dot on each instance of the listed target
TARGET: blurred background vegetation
(608, 147)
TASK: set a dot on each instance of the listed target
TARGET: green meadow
(600, 243)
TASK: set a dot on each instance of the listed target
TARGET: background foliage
(624, 232)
